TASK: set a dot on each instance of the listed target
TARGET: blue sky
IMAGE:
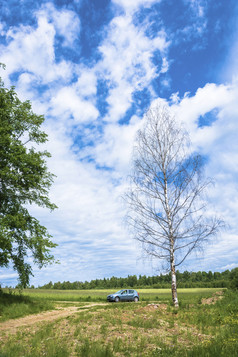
(93, 68)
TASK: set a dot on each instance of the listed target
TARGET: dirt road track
(11, 326)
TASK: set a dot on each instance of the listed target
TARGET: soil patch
(212, 300)
(153, 307)
(11, 326)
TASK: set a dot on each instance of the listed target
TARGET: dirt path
(11, 326)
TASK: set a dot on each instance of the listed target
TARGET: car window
(131, 291)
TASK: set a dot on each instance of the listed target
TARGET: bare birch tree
(165, 199)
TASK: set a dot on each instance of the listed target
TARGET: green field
(101, 295)
(29, 301)
(205, 325)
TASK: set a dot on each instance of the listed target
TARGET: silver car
(124, 295)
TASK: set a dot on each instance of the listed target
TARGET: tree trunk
(173, 281)
(171, 239)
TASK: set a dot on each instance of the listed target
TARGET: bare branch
(166, 209)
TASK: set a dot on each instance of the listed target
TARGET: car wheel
(136, 299)
(117, 299)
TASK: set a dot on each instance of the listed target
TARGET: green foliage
(234, 279)
(24, 180)
(14, 305)
(200, 279)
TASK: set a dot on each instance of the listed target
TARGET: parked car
(124, 295)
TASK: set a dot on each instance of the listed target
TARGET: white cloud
(230, 70)
(229, 266)
(196, 27)
(132, 5)
(8, 276)
(2, 29)
(87, 82)
(67, 102)
(32, 50)
(127, 62)
(65, 22)
(198, 6)
(206, 99)
(126, 65)
(119, 100)
(116, 147)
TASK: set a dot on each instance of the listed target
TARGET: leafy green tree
(210, 276)
(234, 278)
(24, 180)
(132, 280)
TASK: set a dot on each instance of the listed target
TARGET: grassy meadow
(101, 295)
(206, 324)
(14, 304)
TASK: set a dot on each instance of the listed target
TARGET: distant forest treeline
(201, 279)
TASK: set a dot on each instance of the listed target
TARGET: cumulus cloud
(206, 99)
(126, 65)
(65, 22)
(32, 50)
(127, 62)
(68, 103)
(115, 149)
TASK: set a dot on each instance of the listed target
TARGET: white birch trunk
(172, 262)
(174, 282)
